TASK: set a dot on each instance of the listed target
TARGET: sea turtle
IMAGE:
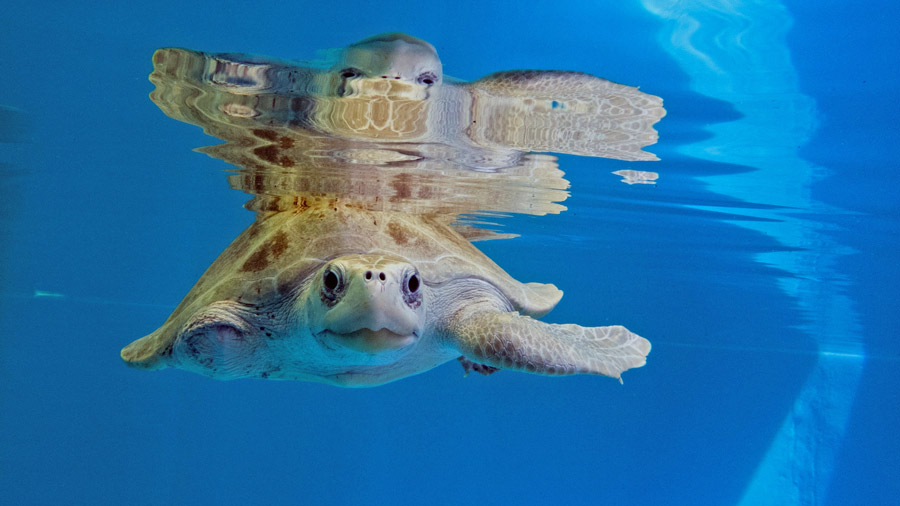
(333, 292)
(357, 270)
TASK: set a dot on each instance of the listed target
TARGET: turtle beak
(374, 341)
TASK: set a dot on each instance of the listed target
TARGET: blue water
(762, 266)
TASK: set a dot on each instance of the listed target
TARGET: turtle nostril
(381, 276)
(368, 275)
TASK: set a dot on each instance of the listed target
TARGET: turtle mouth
(373, 340)
(377, 334)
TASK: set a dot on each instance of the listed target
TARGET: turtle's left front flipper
(511, 341)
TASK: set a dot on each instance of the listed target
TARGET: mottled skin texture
(266, 308)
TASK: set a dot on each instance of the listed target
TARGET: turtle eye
(330, 280)
(427, 78)
(411, 293)
(332, 286)
(350, 73)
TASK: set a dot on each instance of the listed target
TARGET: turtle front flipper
(511, 341)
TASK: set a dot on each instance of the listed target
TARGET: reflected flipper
(567, 112)
(510, 341)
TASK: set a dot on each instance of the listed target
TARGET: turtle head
(367, 303)
(392, 64)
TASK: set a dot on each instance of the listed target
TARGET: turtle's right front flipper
(511, 341)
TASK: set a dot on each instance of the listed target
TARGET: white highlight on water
(735, 51)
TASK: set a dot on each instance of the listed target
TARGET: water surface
(759, 264)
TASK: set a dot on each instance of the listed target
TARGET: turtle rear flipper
(512, 341)
(470, 366)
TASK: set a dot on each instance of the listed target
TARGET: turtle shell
(275, 257)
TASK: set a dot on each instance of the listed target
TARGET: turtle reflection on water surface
(358, 270)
